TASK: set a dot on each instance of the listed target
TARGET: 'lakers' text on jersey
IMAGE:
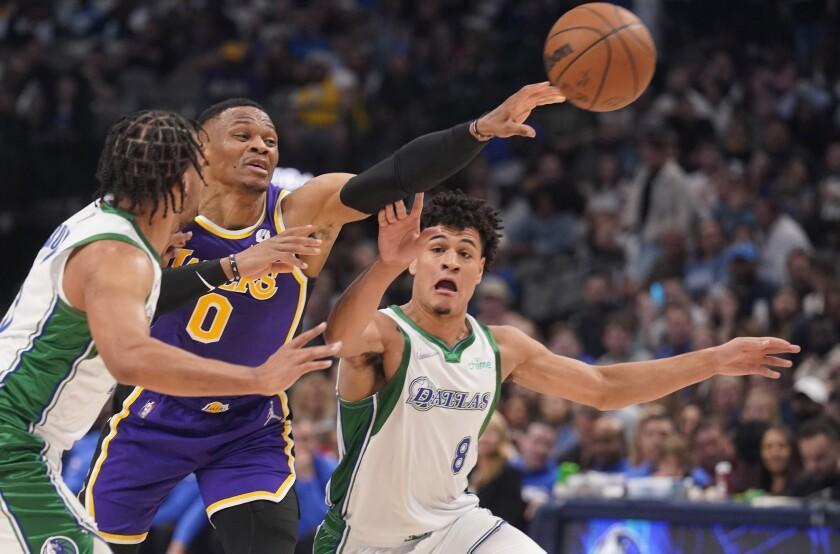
(241, 322)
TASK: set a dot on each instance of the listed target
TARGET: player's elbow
(605, 395)
(125, 365)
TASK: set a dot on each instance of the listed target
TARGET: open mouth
(258, 164)
(446, 285)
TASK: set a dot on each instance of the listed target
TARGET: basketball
(601, 56)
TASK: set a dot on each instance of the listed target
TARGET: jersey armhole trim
(492, 340)
(84, 242)
(390, 393)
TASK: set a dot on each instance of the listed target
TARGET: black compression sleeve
(418, 166)
(182, 284)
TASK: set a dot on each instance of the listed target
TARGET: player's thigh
(480, 532)
(37, 512)
(131, 474)
(254, 466)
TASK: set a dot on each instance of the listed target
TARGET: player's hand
(753, 356)
(178, 240)
(292, 360)
(400, 239)
(280, 253)
(507, 120)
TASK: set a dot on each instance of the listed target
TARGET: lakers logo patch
(263, 234)
(215, 407)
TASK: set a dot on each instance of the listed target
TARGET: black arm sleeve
(182, 284)
(418, 166)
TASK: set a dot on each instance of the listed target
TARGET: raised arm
(113, 293)
(329, 201)
(614, 386)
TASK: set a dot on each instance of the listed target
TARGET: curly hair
(455, 210)
(145, 154)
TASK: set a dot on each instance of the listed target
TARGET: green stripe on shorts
(33, 501)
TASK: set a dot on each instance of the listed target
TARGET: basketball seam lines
(629, 56)
(604, 76)
(588, 48)
(567, 29)
(632, 61)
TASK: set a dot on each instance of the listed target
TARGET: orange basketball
(600, 55)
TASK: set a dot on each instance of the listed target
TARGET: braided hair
(145, 154)
(458, 211)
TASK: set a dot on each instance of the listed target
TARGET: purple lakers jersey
(241, 323)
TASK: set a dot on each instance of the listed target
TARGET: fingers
(301, 230)
(317, 352)
(315, 366)
(519, 130)
(771, 345)
(769, 373)
(390, 214)
(775, 361)
(308, 335)
(400, 210)
(380, 217)
(417, 208)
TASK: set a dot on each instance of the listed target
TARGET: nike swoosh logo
(424, 355)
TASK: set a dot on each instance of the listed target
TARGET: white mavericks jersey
(53, 383)
(407, 450)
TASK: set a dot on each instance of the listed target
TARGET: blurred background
(710, 208)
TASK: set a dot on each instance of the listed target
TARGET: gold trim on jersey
(280, 226)
(281, 492)
(103, 455)
(211, 227)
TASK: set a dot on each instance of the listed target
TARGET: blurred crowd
(708, 209)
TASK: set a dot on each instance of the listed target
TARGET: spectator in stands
(313, 471)
(708, 268)
(607, 451)
(725, 399)
(619, 341)
(591, 316)
(675, 460)
(658, 200)
(653, 431)
(746, 466)
(744, 280)
(539, 471)
(678, 332)
(711, 446)
(782, 235)
(583, 421)
(761, 404)
(779, 461)
(809, 396)
(494, 480)
(820, 451)
(493, 301)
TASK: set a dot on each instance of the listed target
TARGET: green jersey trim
(451, 355)
(29, 387)
(390, 394)
(498, 391)
(110, 209)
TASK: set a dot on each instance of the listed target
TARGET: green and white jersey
(53, 383)
(407, 450)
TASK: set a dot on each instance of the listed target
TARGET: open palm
(400, 238)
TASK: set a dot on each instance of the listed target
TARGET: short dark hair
(145, 154)
(816, 427)
(456, 210)
(218, 108)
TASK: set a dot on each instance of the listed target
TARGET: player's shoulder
(113, 257)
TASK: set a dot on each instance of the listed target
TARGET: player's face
(242, 148)
(447, 271)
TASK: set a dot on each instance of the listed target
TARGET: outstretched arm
(113, 296)
(614, 386)
(329, 201)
